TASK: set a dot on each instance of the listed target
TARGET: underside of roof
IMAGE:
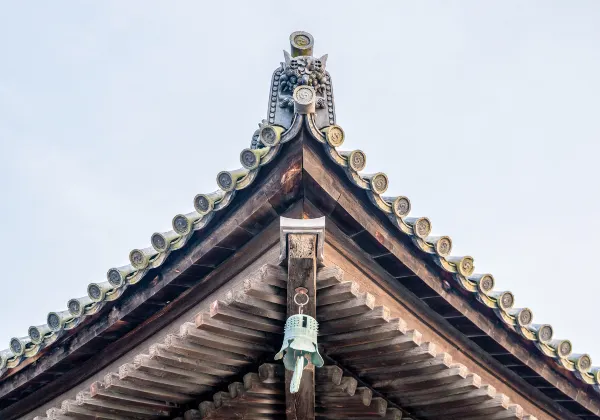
(294, 156)
(377, 367)
(262, 395)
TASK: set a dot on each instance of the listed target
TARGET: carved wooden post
(302, 241)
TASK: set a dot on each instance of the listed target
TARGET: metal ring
(296, 299)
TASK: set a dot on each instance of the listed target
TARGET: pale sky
(114, 114)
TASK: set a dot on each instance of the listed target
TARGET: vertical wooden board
(302, 272)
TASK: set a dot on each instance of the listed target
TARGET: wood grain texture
(395, 362)
(302, 272)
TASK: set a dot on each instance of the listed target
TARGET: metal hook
(301, 291)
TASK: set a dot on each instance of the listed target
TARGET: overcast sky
(114, 114)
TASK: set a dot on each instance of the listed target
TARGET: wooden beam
(301, 241)
(302, 273)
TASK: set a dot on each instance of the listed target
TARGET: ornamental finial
(301, 85)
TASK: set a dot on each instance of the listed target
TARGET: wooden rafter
(384, 353)
(262, 396)
(222, 342)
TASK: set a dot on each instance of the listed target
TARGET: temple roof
(404, 373)
(301, 100)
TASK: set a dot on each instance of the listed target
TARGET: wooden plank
(258, 396)
(392, 361)
(339, 396)
(199, 359)
(302, 273)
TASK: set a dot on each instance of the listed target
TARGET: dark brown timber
(302, 272)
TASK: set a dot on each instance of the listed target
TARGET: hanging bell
(300, 347)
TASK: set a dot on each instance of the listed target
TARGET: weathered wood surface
(262, 396)
(394, 361)
(302, 273)
(340, 397)
(222, 343)
(381, 350)
(258, 396)
(340, 199)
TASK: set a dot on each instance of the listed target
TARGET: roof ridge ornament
(301, 85)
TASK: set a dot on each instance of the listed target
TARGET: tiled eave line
(119, 279)
(397, 209)
(461, 268)
(222, 343)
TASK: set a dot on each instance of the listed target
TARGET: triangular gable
(300, 131)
